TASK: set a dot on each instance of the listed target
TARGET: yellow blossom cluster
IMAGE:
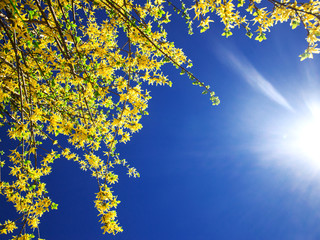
(262, 16)
(66, 73)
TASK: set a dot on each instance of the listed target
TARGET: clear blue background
(223, 172)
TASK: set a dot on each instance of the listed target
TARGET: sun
(308, 137)
(309, 140)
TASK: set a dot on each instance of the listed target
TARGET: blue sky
(233, 171)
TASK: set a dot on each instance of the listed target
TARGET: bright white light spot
(309, 140)
(309, 135)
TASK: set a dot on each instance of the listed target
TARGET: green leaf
(32, 187)
(249, 34)
(240, 3)
(295, 24)
(67, 7)
(203, 29)
(195, 83)
(27, 162)
(227, 33)
(261, 37)
(304, 56)
(54, 206)
(215, 100)
(31, 14)
(35, 44)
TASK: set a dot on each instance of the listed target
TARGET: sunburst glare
(309, 136)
